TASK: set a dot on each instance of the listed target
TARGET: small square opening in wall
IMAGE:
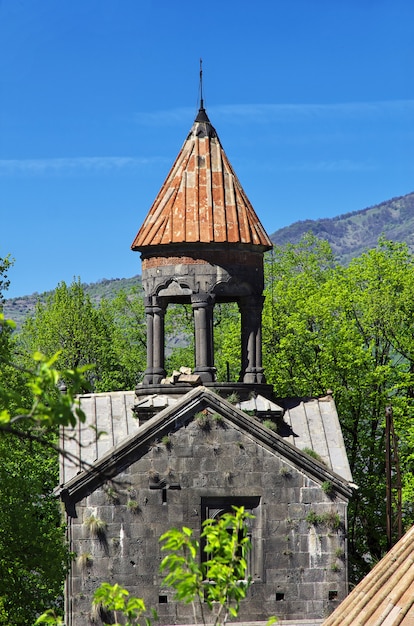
(332, 594)
(162, 599)
(279, 596)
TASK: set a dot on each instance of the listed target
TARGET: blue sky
(313, 101)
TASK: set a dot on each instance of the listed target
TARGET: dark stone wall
(298, 558)
(229, 273)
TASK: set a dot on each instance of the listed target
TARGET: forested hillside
(18, 309)
(353, 233)
(349, 235)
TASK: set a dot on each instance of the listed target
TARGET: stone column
(155, 312)
(203, 304)
(158, 355)
(251, 339)
(147, 380)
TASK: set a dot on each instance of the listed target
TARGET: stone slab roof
(172, 418)
(303, 423)
(385, 597)
(260, 405)
(314, 424)
(108, 414)
(201, 200)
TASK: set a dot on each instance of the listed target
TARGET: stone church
(183, 448)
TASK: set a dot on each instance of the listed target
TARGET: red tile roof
(385, 597)
(201, 200)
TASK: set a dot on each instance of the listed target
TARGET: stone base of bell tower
(243, 390)
(150, 399)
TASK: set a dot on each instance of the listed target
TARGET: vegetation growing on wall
(325, 326)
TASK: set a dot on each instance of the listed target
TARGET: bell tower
(203, 244)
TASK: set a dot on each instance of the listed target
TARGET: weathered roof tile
(201, 200)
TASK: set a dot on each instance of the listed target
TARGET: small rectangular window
(214, 507)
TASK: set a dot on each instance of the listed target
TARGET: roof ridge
(175, 416)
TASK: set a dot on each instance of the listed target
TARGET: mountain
(349, 235)
(18, 309)
(353, 233)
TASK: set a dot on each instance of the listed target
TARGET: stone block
(191, 379)
(253, 479)
(183, 450)
(296, 511)
(310, 495)
(277, 514)
(315, 575)
(140, 469)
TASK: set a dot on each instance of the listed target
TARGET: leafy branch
(220, 580)
(49, 407)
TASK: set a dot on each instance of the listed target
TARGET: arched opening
(227, 341)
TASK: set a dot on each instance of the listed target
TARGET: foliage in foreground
(34, 558)
(114, 601)
(216, 581)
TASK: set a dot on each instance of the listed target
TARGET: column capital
(202, 299)
(154, 304)
(251, 302)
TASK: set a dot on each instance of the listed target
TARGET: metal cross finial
(201, 85)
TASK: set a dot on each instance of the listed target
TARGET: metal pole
(388, 487)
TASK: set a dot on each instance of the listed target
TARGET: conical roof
(201, 200)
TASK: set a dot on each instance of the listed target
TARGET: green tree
(5, 264)
(227, 341)
(380, 285)
(348, 329)
(295, 313)
(33, 554)
(68, 324)
(179, 334)
(125, 316)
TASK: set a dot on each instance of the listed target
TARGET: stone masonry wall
(298, 557)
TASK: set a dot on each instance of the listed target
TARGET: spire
(202, 115)
(202, 200)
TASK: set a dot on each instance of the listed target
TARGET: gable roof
(171, 419)
(385, 597)
(201, 200)
(306, 423)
